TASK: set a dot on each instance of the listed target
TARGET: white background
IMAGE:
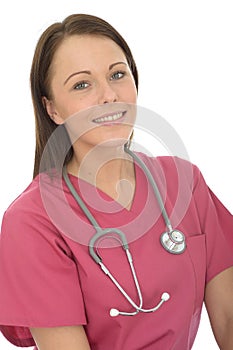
(184, 54)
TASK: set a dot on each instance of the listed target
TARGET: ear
(51, 110)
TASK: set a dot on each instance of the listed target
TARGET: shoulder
(173, 167)
(27, 221)
(28, 201)
(27, 211)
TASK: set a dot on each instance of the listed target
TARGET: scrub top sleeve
(39, 280)
(225, 218)
(217, 225)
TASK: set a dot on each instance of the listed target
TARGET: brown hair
(40, 83)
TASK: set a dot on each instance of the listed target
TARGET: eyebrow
(89, 72)
(114, 64)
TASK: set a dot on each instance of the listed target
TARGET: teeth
(109, 118)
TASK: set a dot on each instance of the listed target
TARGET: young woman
(130, 287)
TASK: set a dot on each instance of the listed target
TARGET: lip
(119, 120)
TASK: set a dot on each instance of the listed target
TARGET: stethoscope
(173, 241)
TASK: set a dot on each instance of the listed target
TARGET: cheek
(130, 93)
(80, 102)
(69, 105)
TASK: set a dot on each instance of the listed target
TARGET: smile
(109, 118)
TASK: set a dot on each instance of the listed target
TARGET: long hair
(40, 79)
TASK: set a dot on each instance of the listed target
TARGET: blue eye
(81, 86)
(117, 75)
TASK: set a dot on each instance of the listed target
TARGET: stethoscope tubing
(154, 186)
(117, 284)
(101, 232)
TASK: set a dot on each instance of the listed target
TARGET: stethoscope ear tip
(165, 296)
(114, 312)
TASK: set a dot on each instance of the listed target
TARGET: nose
(107, 94)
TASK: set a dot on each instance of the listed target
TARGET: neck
(108, 164)
(107, 168)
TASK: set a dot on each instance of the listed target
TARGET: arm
(219, 305)
(60, 338)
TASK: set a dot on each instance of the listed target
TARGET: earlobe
(51, 110)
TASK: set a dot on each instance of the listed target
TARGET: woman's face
(92, 71)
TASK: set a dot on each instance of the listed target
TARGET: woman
(53, 294)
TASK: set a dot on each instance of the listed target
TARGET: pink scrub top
(48, 279)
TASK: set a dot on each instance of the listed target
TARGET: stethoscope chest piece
(173, 242)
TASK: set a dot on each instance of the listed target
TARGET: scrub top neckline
(136, 205)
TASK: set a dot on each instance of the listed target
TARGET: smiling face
(92, 71)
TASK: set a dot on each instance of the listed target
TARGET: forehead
(87, 50)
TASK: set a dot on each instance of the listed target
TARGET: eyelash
(79, 86)
(82, 85)
(118, 72)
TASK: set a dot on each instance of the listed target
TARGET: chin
(114, 142)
